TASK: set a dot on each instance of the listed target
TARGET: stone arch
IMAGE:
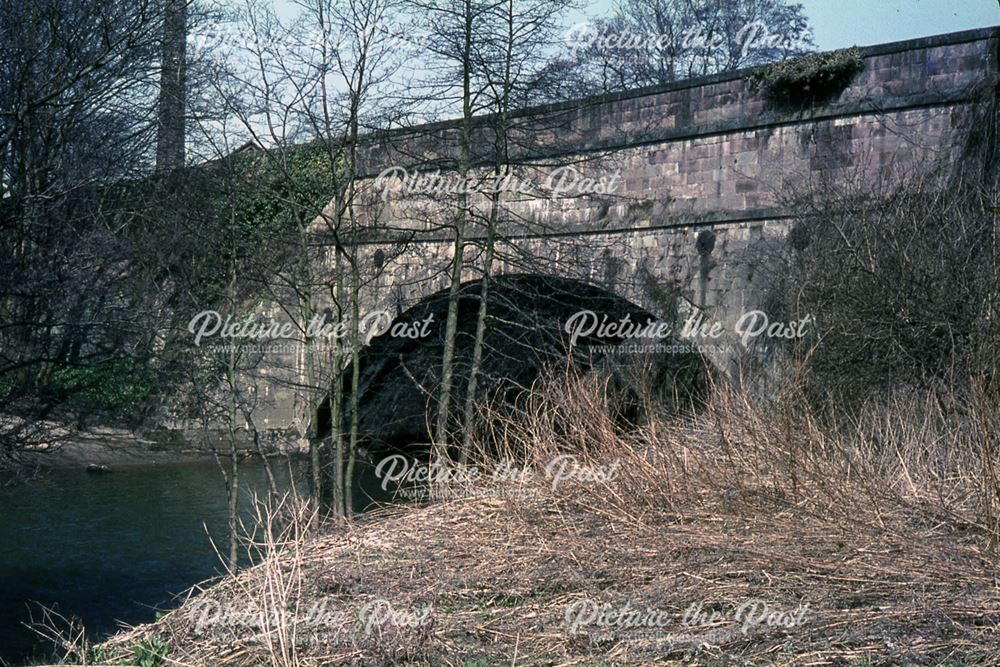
(529, 328)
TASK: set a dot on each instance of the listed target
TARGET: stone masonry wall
(701, 166)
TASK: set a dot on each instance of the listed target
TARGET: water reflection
(114, 547)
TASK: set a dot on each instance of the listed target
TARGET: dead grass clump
(747, 534)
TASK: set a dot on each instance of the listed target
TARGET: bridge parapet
(699, 167)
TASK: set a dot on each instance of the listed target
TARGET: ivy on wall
(811, 79)
(273, 192)
(254, 205)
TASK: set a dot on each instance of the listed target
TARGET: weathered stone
(703, 153)
(530, 328)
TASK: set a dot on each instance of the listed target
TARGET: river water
(114, 546)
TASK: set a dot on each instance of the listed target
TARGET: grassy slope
(880, 533)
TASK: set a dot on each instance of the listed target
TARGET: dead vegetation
(875, 542)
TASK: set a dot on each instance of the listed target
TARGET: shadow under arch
(526, 332)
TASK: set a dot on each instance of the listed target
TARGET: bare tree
(455, 26)
(316, 82)
(649, 42)
(510, 64)
(73, 119)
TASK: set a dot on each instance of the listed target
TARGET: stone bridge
(685, 183)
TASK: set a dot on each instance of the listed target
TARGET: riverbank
(107, 447)
(742, 537)
(60, 445)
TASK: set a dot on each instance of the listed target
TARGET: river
(114, 546)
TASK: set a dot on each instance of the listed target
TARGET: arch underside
(525, 335)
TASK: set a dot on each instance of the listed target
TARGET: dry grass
(882, 532)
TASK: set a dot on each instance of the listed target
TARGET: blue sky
(840, 23)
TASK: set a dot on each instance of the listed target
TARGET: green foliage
(810, 79)
(255, 205)
(97, 655)
(116, 384)
(150, 652)
(277, 192)
(102, 655)
(272, 194)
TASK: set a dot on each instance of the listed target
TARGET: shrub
(807, 80)
(903, 285)
(117, 384)
(901, 273)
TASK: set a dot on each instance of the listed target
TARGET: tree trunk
(336, 406)
(355, 349)
(440, 436)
